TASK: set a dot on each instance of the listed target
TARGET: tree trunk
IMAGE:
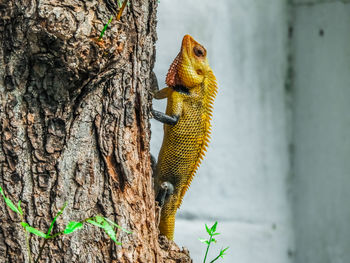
(75, 128)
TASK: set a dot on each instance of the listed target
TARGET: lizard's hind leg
(167, 199)
(165, 191)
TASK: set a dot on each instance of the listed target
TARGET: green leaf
(213, 228)
(105, 28)
(19, 207)
(208, 230)
(102, 223)
(121, 3)
(99, 219)
(215, 234)
(213, 240)
(72, 226)
(9, 202)
(110, 231)
(54, 220)
(118, 226)
(33, 230)
(221, 255)
(203, 240)
(222, 252)
(11, 205)
(94, 223)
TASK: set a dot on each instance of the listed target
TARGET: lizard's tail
(167, 225)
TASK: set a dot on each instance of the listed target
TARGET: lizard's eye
(199, 72)
(199, 51)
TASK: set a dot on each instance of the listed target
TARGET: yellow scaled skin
(185, 142)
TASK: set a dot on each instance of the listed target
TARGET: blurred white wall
(246, 179)
(243, 181)
(321, 160)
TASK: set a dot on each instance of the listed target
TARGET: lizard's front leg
(162, 117)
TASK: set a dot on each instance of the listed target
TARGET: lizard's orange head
(190, 66)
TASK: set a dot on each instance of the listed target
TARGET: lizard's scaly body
(191, 91)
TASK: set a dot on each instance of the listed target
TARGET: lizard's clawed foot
(154, 84)
(166, 190)
(153, 164)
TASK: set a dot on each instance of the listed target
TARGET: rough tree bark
(74, 120)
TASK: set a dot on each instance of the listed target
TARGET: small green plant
(120, 3)
(212, 232)
(105, 28)
(107, 225)
(121, 7)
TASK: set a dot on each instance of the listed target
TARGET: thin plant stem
(206, 252)
(105, 28)
(28, 246)
(52, 237)
(41, 251)
(215, 259)
(27, 242)
(121, 10)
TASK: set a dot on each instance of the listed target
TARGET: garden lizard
(191, 89)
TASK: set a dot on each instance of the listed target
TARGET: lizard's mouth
(187, 44)
(187, 39)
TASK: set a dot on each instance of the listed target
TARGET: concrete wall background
(243, 181)
(321, 186)
(276, 175)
